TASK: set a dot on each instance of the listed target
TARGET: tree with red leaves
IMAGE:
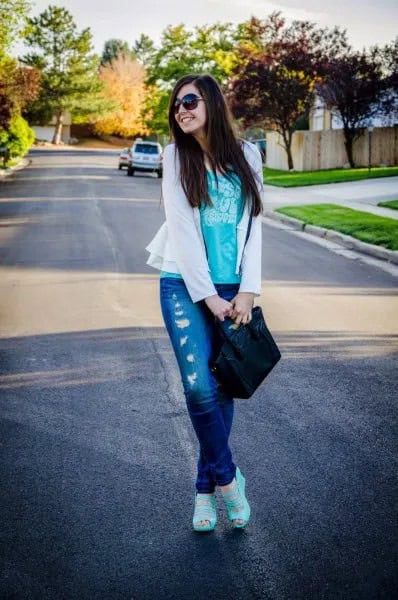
(389, 58)
(19, 85)
(279, 68)
(352, 88)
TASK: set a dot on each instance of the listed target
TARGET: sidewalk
(359, 195)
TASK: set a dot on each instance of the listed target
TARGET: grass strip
(364, 226)
(286, 179)
(389, 204)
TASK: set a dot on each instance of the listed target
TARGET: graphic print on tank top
(219, 223)
(225, 199)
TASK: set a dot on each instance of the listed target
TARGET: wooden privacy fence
(314, 150)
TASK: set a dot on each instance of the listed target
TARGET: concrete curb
(23, 163)
(335, 236)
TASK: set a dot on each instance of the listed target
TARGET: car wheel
(130, 172)
(120, 167)
(160, 174)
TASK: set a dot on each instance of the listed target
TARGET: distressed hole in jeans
(179, 313)
(174, 296)
(183, 340)
(190, 358)
(182, 323)
(192, 378)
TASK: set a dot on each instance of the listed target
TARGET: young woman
(209, 254)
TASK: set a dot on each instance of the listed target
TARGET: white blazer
(178, 246)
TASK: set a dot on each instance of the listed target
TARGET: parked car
(123, 158)
(145, 156)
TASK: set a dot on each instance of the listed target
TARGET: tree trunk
(58, 127)
(287, 138)
(348, 143)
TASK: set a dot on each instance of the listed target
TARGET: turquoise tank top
(218, 223)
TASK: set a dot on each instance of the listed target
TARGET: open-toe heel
(236, 502)
(205, 510)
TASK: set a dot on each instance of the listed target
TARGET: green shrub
(18, 137)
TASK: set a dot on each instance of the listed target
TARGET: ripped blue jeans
(194, 339)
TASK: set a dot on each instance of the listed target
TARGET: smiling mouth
(187, 119)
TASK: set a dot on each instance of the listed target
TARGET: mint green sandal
(205, 510)
(236, 503)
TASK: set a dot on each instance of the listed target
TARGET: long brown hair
(225, 149)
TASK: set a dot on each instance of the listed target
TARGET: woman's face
(192, 121)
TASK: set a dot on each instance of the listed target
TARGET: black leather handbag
(247, 355)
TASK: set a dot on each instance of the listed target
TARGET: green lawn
(362, 225)
(389, 204)
(286, 179)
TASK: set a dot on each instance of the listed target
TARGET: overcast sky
(367, 22)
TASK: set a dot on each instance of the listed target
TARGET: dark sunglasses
(189, 102)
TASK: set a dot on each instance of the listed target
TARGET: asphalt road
(98, 454)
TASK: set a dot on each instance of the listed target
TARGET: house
(321, 118)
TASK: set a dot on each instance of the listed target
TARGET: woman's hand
(219, 307)
(242, 308)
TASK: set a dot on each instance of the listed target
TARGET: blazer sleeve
(251, 261)
(183, 235)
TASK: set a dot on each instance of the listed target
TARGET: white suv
(145, 156)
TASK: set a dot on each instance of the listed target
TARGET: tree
(69, 69)
(123, 79)
(388, 55)
(277, 98)
(13, 20)
(389, 58)
(13, 95)
(144, 50)
(352, 88)
(279, 66)
(206, 49)
(18, 86)
(114, 48)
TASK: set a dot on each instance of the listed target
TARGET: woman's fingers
(241, 317)
(225, 313)
(246, 319)
(218, 306)
(238, 320)
(240, 310)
